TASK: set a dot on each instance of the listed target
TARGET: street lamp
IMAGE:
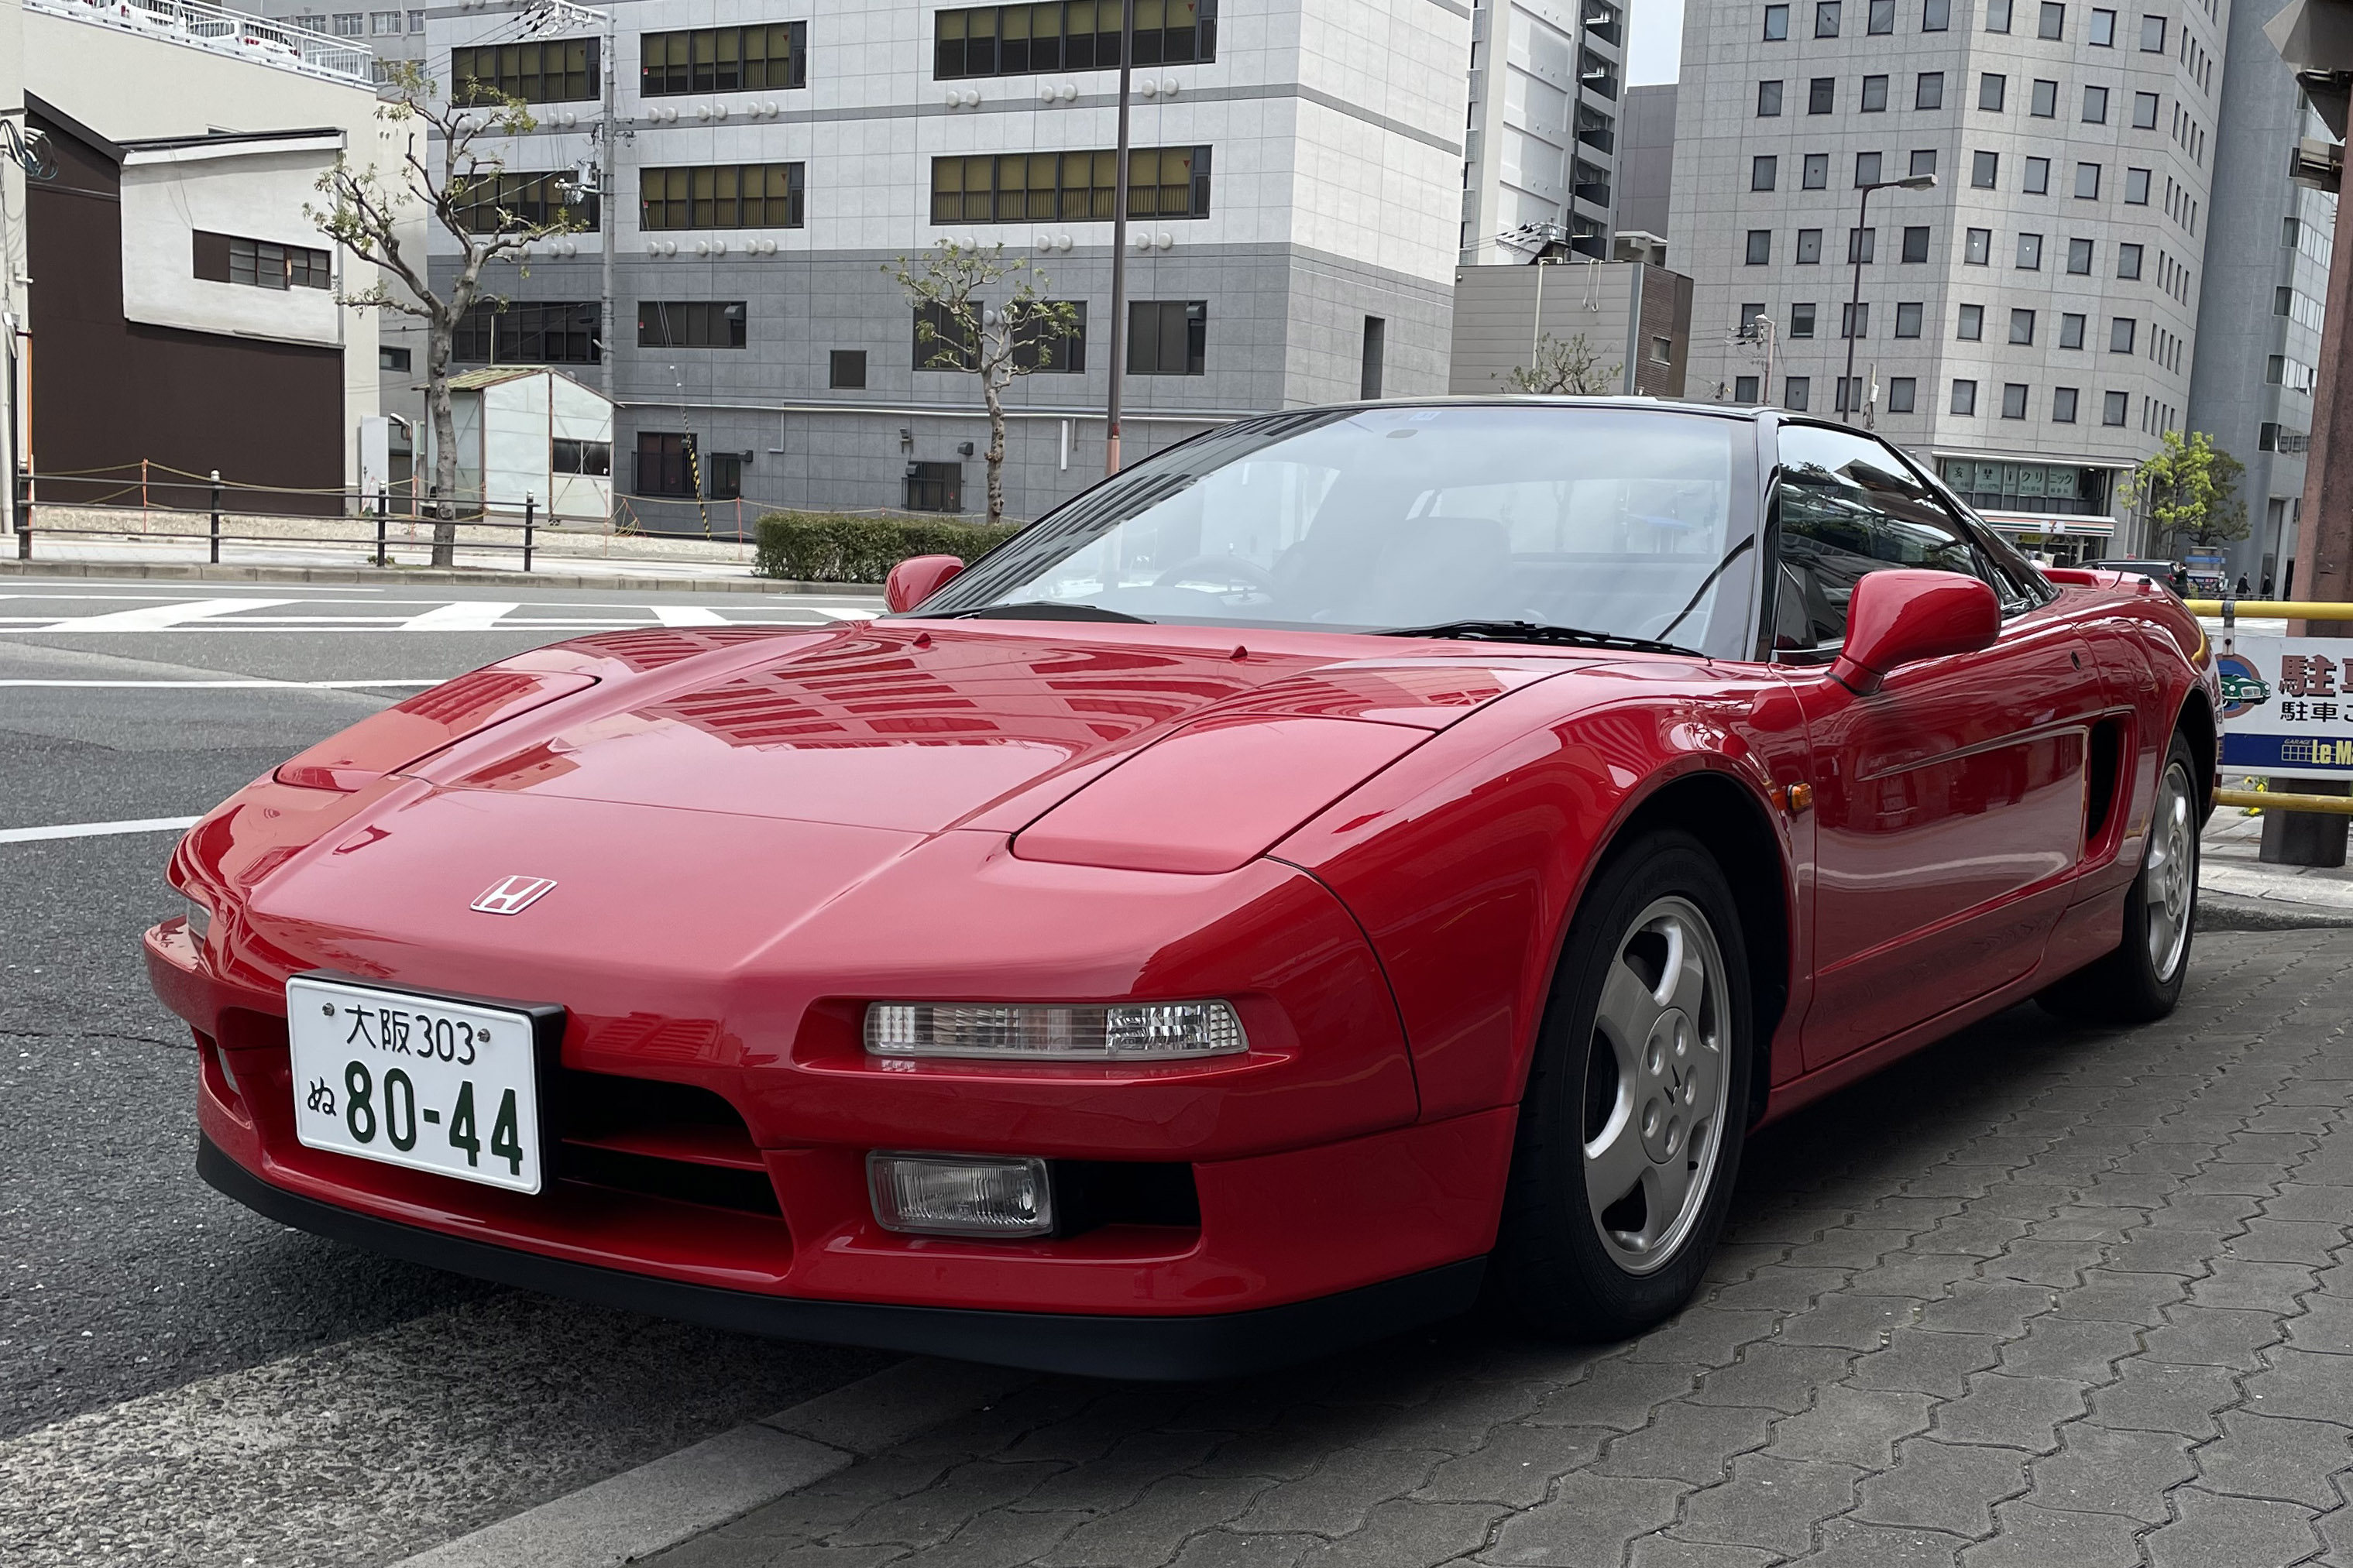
(1847, 400)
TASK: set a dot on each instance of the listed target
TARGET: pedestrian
(2267, 584)
(2243, 585)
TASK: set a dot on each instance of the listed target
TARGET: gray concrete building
(2266, 276)
(1294, 227)
(2029, 323)
(1646, 162)
(1635, 320)
(1540, 156)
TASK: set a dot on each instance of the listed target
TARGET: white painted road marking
(688, 616)
(95, 829)
(465, 615)
(231, 685)
(162, 615)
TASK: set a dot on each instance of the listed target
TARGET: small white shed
(528, 431)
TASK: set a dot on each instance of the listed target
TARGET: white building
(1542, 152)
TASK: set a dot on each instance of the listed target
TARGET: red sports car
(1354, 859)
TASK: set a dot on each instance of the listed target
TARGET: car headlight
(200, 919)
(1127, 1031)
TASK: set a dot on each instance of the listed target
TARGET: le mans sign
(2287, 707)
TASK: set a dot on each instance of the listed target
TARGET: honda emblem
(513, 894)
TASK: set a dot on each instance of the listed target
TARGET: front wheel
(2140, 981)
(1632, 1128)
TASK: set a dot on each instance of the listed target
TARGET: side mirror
(917, 578)
(1899, 618)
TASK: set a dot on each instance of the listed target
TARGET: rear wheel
(2141, 980)
(1631, 1131)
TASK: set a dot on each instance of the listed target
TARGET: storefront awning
(2049, 523)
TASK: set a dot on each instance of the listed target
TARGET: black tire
(2135, 983)
(1562, 1269)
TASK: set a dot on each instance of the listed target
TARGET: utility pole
(1119, 245)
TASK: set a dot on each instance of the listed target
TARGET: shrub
(825, 547)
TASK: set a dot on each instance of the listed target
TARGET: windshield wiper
(1041, 610)
(1534, 632)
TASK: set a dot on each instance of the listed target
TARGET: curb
(2236, 911)
(183, 572)
(680, 1496)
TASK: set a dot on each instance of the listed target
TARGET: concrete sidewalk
(2238, 892)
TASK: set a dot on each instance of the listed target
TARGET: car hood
(920, 726)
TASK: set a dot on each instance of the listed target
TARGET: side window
(1846, 506)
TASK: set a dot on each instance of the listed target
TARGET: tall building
(1546, 81)
(1293, 229)
(1646, 162)
(2029, 323)
(2259, 338)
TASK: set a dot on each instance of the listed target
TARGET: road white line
(95, 829)
(163, 615)
(865, 614)
(466, 615)
(230, 685)
(687, 615)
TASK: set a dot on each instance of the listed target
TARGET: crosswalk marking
(382, 616)
(464, 615)
(161, 617)
(688, 616)
(95, 829)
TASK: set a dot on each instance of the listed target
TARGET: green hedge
(827, 547)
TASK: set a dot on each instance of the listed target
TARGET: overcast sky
(1657, 40)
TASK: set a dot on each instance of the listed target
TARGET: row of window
(1069, 34)
(1969, 326)
(1937, 16)
(261, 263)
(1993, 98)
(1164, 337)
(358, 24)
(722, 195)
(1977, 250)
(1902, 394)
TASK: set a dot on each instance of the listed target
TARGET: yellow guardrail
(2275, 609)
(2273, 800)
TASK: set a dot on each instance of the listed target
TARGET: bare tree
(443, 171)
(1573, 367)
(956, 330)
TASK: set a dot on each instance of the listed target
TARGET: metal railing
(202, 25)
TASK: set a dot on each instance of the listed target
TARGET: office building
(1646, 160)
(1540, 156)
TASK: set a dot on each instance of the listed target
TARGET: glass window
(1985, 170)
(1826, 18)
(1801, 321)
(2062, 404)
(1859, 246)
(2045, 103)
(1991, 88)
(2103, 29)
(1071, 187)
(1760, 247)
(2129, 260)
(2152, 35)
(2021, 327)
(1882, 17)
(1819, 94)
(1924, 160)
(1854, 321)
(2113, 406)
(1797, 391)
(2136, 188)
(2087, 182)
(2030, 253)
(2038, 176)
(2144, 112)
(2071, 330)
(1020, 40)
(1907, 319)
(723, 195)
(1768, 99)
(1936, 15)
(1901, 391)
(1915, 243)
(2079, 256)
(1928, 90)
(1997, 16)
(1978, 248)
(1168, 337)
(1761, 172)
(723, 59)
(1776, 23)
(2013, 400)
(847, 368)
(557, 70)
(1965, 397)
(1874, 94)
(690, 324)
(534, 331)
(1972, 323)
(2096, 106)
(417, 21)
(1866, 169)
(1748, 314)
(496, 203)
(2282, 296)
(1845, 507)
(1817, 175)
(2122, 330)
(1809, 246)
(2053, 22)
(1743, 389)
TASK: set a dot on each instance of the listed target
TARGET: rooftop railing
(200, 24)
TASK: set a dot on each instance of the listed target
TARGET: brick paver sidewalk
(2041, 1297)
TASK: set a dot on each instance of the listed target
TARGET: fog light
(1139, 1031)
(948, 1195)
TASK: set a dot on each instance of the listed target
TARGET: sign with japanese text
(2287, 707)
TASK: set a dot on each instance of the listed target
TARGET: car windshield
(1607, 520)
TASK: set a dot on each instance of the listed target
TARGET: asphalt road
(132, 1295)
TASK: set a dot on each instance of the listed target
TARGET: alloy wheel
(2169, 875)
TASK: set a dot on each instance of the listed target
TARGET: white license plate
(417, 1080)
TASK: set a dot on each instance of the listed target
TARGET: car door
(1950, 803)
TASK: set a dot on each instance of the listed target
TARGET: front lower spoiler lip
(1158, 1348)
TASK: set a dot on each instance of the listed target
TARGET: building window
(2044, 102)
(2013, 400)
(2276, 370)
(690, 324)
(1768, 100)
(723, 59)
(2122, 330)
(388, 358)
(1882, 17)
(2038, 176)
(1849, 396)
(1743, 389)
(2021, 327)
(1796, 392)
(1826, 18)
(1976, 248)
(2144, 112)
(2087, 182)
(1859, 246)
(1965, 397)
(943, 342)
(1971, 326)
(1866, 169)
(1760, 247)
(1854, 321)
(559, 70)
(1997, 16)
(2030, 253)
(2079, 256)
(529, 331)
(2152, 35)
(1924, 162)
(1801, 321)
(1820, 94)
(417, 21)
(2071, 330)
(1074, 187)
(1817, 175)
(2113, 406)
(1019, 40)
(1761, 171)
(2096, 106)
(1662, 351)
(1915, 243)
(1776, 23)
(1874, 94)
(2103, 29)
(670, 464)
(1985, 170)
(384, 23)
(348, 24)
(2137, 189)
(2053, 22)
(2062, 404)
(261, 263)
(1809, 246)
(1901, 390)
(1748, 317)
(1168, 337)
(845, 370)
(2282, 296)
(1990, 89)
(720, 196)
(1936, 15)
(1928, 90)
(494, 203)
(1065, 354)
(934, 487)
(565, 456)
(1907, 319)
